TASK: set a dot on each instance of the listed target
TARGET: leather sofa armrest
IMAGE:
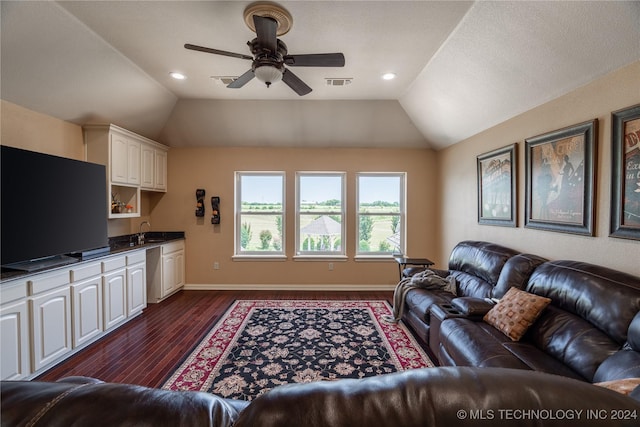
(472, 307)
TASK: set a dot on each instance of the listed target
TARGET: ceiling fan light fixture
(268, 74)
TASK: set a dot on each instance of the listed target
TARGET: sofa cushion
(82, 403)
(572, 340)
(516, 273)
(419, 301)
(481, 259)
(434, 397)
(606, 298)
(538, 360)
(622, 364)
(516, 312)
(473, 343)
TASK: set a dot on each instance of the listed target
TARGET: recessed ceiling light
(389, 76)
(177, 76)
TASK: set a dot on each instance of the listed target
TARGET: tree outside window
(381, 212)
(320, 209)
(260, 213)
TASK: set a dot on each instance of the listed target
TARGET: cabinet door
(119, 158)
(179, 270)
(87, 310)
(147, 174)
(136, 289)
(114, 298)
(51, 326)
(161, 170)
(133, 162)
(14, 340)
(168, 274)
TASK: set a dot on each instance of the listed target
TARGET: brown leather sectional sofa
(430, 397)
(589, 331)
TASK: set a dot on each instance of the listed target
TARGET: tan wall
(213, 169)
(26, 129)
(458, 183)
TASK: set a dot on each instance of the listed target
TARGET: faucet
(141, 234)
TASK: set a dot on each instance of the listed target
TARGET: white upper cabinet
(124, 159)
(133, 163)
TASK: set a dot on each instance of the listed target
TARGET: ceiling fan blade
(295, 83)
(217, 52)
(266, 29)
(315, 60)
(242, 80)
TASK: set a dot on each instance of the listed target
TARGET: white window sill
(374, 258)
(259, 258)
(336, 258)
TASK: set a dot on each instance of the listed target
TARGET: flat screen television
(53, 209)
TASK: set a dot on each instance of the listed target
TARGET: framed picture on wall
(560, 179)
(625, 167)
(497, 201)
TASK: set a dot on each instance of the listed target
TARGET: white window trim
(324, 255)
(258, 255)
(375, 255)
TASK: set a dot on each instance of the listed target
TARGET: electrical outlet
(216, 265)
(330, 266)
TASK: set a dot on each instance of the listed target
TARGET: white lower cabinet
(136, 283)
(51, 326)
(14, 339)
(45, 317)
(115, 298)
(86, 299)
(165, 271)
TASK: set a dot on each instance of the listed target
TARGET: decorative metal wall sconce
(200, 202)
(215, 212)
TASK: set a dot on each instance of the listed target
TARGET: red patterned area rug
(259, 345)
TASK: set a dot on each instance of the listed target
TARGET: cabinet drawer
(85, 271)
(168, 248)
(136, 257)
(47, 282)
(113, 263)
(13, 291)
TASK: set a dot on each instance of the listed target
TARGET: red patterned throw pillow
(515, 312)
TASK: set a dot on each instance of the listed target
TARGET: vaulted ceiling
(461, 67)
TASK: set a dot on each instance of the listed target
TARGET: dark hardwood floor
(148, 348)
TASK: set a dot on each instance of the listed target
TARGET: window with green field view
(381, 213)
(260, 221)
(320, 210)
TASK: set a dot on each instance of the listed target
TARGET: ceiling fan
(270, 53)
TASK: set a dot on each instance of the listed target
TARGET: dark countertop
(117, 245)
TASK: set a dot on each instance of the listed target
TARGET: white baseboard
(286, 287)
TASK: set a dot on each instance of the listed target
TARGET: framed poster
(497, 187)
(625, 179)
(560, 179)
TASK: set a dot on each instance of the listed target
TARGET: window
(381, 213)
(260, 213)
(320, 211)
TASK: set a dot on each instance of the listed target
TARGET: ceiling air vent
(343, 81)
(224, 80)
